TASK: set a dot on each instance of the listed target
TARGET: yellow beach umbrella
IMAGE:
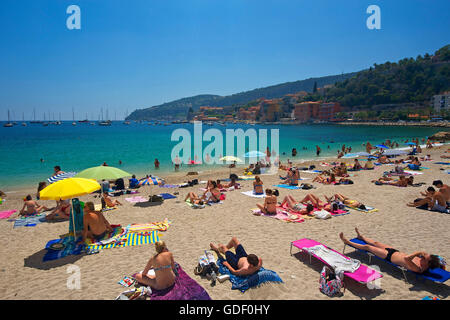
(69, 188)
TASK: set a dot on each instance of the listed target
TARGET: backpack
(331, 283)
(156, 198)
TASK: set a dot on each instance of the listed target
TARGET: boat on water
(127, 122)
(83, 121)
(8, 124)
(105, 123)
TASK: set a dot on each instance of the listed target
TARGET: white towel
(338, 262)
(251, 194)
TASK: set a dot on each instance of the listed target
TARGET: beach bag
(307, 186)
(330, 283)
(156, 198)
(322, 214)
(207, 267)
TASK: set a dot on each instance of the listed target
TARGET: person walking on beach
(318, 150)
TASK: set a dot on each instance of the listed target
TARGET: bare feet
(213, 247)
(345, 240)
(359, 234)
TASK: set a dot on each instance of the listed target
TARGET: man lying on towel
(241, 263)
(417, 262)
(95, 225)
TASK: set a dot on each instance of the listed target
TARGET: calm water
(75, 148)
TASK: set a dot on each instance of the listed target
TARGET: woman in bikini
(417, 262)
(61, 212)
(258, 186)
(32, 207)
(270, 203)
(212, 193)
(347, 201)
(194, 199)
(164, 266)
(305, 206)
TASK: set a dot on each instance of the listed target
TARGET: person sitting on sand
(434, 200)
(133, 183)
(417, 262)
(258, 186)
(369, 165)
(383, 159)
(270, 202)
(194, 199)
(241, 263)
(356, 165)
(61, 212)
(346, 201)
(110, 202)
(443, 189)
(95, 225)
(219, 184)
(32, 207)
(163, 265)
(212, 193)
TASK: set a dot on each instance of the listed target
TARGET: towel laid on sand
(252, 194)
(136, 199)
(6, 214)
(29, 221)
(282, 214)
(338, 262)
(184, 288)
(286, 186)
(246, 282)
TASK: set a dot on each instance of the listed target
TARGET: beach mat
(253, 195)
(247, 282)
(6, 214)
(184, 288)
(136, 199)
(285, 186)
(282, 215)
(29, 221)
(444, 163)
(368, 209)
(166, 196)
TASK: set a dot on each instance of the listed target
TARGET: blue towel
(167, 196)
(254, 280)
(71, 247)
(286, 186)
(29, 221)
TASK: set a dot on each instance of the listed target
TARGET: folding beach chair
(436, 275)
(362, 275)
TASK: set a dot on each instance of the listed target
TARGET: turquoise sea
(75, 148)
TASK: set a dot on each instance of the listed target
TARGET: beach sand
(24, 276)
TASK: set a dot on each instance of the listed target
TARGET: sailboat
(105, 123)
(126, 121)
(8, 124)
(34, 118)
(24, 124)
(73, 116)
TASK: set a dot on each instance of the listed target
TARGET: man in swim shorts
(95, 225)
(240, 263)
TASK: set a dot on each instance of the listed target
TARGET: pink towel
(6, 214)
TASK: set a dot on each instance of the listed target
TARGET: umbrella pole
(73, 220)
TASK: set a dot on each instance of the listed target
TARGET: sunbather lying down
(401, 182)
(346, 201)
(418, 261)
(306, 205)
(241, 263)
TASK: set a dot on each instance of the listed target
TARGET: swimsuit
(390, 251)
(100, 236)
(233, 259)
(163, 267)
(439, 208)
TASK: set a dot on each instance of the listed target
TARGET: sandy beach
(24, 275)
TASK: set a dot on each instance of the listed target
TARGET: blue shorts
(233, 259)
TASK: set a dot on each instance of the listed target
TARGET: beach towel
(166, 196)
(336, 213)
(367, 210)
(282, 214)
(194, 206)
(253, 195)
(29, 221)
(286, 186)
(444, 163)
(147, 227)
(136, 199)
(69, 247)
(338, 262)
(246, 282)
(413, 173)
(169, 186)
(123, 240)
(184, 288)
(6, 214)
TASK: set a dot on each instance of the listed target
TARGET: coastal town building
(308, 111)
(441, 102)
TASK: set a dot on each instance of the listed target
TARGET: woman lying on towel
(402, 182)
(417, 262)
(299, 207)
(346, 201)
(194, 199)
(270, 202)
(61, 212)
(164, 266)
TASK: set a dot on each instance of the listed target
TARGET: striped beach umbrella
(150, 181)
(61, 176)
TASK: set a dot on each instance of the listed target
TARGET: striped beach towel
(127, 240)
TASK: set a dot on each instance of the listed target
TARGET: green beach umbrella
(103, 172)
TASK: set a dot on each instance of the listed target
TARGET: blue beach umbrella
(410, 143)
(61, 176)
(382, 146)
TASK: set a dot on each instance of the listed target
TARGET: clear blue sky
(135, 54)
